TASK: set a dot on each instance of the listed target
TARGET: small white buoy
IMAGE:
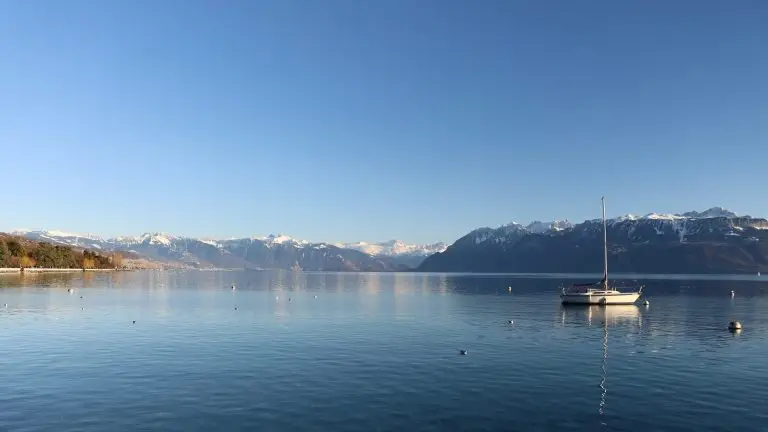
(646, 303)
(464, 352)
(733, 293)
(277, 298)
(233, 287)
(509, 289)
(6, 305)
(315, 296)
(510, 322)
(734, 325)
(70, 290)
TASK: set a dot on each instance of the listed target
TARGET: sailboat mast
(605, 247)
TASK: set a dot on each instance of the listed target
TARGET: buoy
(134, 321)
(510, 322)
(464, 352)
(289, 299)
(277, 298)
(646, 302)
(6, 305)
(734, 325)
(315, 296)
(70, 290)
(733, 293)
(233, 287)
(235, 307)
(510, 289)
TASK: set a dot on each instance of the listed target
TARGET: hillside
(713, 241)
(271, 252)
(17, 251)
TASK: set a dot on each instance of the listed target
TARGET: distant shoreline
(52, 270)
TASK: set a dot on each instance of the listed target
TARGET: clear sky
(346, 120)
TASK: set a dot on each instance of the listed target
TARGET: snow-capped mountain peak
(394, 248)
(90, 241)
(147, 238)
(662, 216)
(713, 212)
(538, 227)
(56, 234)
(273, 239)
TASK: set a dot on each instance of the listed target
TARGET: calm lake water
(343, 352)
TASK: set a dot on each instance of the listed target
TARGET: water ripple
(378, 352)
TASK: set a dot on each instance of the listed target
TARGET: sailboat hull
(600, 298)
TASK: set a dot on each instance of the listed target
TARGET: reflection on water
(374, 351)
(603, 368)
(627, 315)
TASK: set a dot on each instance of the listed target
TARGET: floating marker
(734, 325)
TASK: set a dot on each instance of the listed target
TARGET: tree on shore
(16, 252)
(26, 261)
(116, 259)
(5, 255)
(16, 249)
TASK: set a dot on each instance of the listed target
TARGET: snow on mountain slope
(537, 227)
(272, 251)
(281, 239)
(90, 241)
(163, 246)
(714, 212)
(680, 225)
(394, 248)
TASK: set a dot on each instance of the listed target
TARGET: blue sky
(371, 120)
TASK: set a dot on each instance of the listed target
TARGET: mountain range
(273, 251)
(712, 241)
(715, 240)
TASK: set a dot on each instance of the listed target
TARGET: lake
(341, 352)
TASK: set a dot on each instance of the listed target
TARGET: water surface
(327, 351)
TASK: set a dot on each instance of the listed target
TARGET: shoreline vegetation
(21, 255)
(19, 270)
(4, 270)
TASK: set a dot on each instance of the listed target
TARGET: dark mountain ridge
(713, 241)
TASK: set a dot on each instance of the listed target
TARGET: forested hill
(19, 252)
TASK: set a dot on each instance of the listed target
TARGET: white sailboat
(599, 293)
